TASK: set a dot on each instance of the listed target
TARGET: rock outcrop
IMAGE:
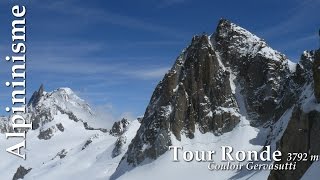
(262, 72)
(303, 131)
(21, 172)
(119, 127)
(35, 98)
(118, 146)
(301, 136)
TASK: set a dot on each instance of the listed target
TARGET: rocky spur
(227, 155)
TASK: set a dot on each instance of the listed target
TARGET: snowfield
(166, 168)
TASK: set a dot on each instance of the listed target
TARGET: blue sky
(113, 53)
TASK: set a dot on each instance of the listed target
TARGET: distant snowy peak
(66, 94)
(46, 108)
(245, 43)
(65, 98)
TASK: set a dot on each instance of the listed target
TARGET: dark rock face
(139, 119)
(118, 146)
(196, 91)
(307, 59)
(262, 72)
(60, 127)
(5, 125)
(38, 116)
(20, 173)
(46, 134)
(36, 96)
(303, 131)
(69, 114)
(86, 144)
(301, 135)
(62, 154)
(316, 75)
(87, 127)
(119, 127)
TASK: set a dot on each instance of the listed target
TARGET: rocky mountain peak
(197, 94)
(45, 107)
(307, 59)
(36, 96)
(119, 127)
(244, 43)
(260, 70)
(201, 92)
(65, 126)
(41, 89)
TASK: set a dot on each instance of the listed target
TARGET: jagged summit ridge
(63, 97)
(36, 96)
(44, 108)
(245, 43)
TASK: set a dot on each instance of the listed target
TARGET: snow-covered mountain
(67, 140)
(228, 88)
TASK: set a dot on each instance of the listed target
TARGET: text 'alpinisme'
(18, 83)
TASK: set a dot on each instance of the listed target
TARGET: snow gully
(18, 84)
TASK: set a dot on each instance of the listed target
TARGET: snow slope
(312, 172)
